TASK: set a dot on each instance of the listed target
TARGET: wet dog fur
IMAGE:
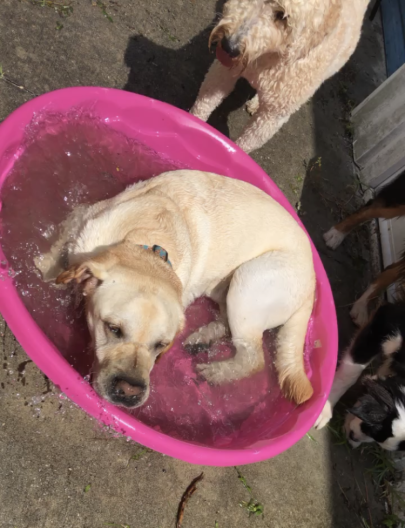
(225, 239)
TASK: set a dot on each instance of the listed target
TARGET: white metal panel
(379, 131)
(392, 234)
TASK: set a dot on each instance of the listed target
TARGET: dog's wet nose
(230, 47)
(127, 391)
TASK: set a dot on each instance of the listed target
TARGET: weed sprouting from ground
(393, 521)
(383, 469)
(103, 8)
(310, 437)
(139, 454)
(336, 427)
(170, 36)
(253, 506)
(63, 9)
(318, 162)
(384, 474)
(348, 106)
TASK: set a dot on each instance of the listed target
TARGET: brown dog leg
(335, 236)
(391, 274)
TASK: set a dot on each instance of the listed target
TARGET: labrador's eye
(160, 345)
(115, 330)
(279, 15)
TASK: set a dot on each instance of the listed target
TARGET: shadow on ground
(152, 73)
(330, 192)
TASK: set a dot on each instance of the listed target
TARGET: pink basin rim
(181, 137)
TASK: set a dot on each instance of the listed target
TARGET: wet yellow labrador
(143, 256)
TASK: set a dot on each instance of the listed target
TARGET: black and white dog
(379, 413)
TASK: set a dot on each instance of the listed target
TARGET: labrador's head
(134, 312)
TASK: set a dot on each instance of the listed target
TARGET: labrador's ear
(91, 272)
(77, 272)
(83, 275)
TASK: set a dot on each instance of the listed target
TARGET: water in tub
(77, 159)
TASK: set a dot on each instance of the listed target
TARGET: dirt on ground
(58, 467)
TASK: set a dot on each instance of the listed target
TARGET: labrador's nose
(127, 391)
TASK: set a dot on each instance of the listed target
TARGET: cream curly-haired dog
(285, 49)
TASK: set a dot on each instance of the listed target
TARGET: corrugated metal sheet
(379, 131)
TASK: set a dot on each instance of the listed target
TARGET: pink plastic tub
(181, 137)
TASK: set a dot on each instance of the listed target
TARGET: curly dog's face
(251, 28)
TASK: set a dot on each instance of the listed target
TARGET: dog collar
(160, 252)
